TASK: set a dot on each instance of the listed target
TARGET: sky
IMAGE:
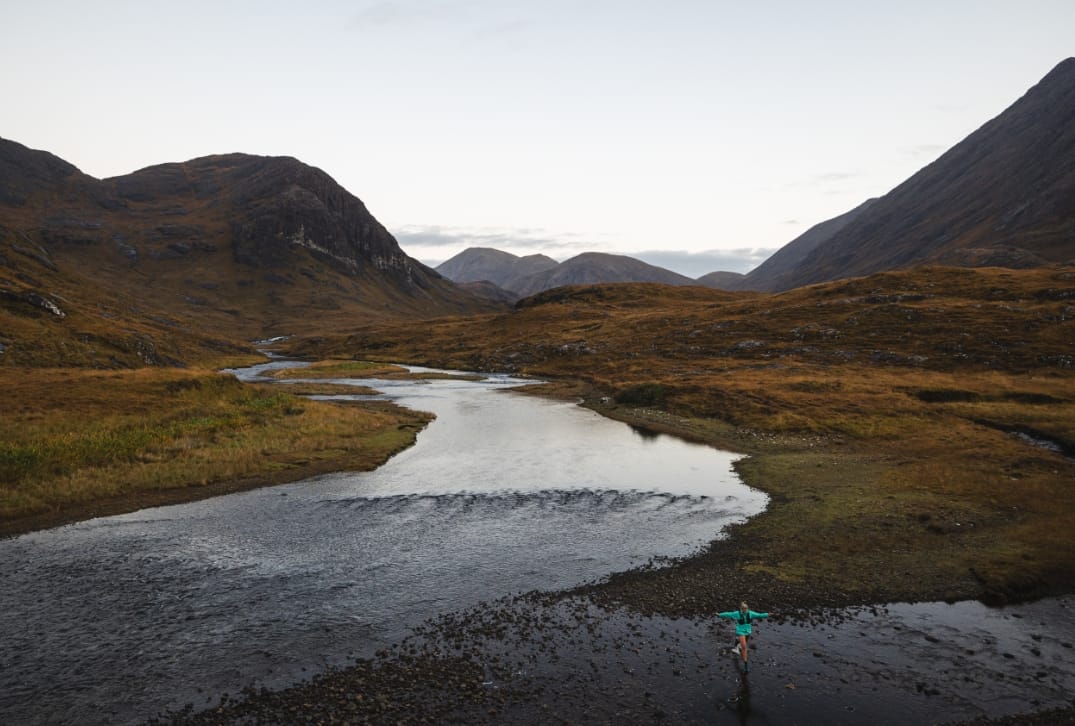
(699, 135)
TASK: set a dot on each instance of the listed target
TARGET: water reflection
(644, 433)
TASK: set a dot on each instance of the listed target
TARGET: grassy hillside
(51, 314)
(888, 416)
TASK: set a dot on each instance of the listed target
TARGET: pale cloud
(434, 244)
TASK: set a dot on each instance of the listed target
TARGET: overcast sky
(695, 134)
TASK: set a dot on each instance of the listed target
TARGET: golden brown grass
(878, 411)
(879, 414)
(71, 438)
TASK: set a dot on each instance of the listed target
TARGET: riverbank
(914, 430)
(813, 481)
(79, 444)
(556, 658)
(852, 522)
(642, 647)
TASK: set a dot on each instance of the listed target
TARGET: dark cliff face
(289, 202)
(1005, 196)
(277, 205)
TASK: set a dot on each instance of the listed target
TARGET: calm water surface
(115, 619)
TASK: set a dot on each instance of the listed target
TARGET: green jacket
(742, 625)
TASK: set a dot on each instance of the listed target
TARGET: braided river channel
(117, 619)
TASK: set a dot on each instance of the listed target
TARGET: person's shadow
(740, 702)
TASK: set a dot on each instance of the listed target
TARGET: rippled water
(115, 619)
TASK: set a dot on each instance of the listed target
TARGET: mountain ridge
(1003, 196)
(226, 246)
(525, 276)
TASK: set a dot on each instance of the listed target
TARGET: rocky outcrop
(278, 205)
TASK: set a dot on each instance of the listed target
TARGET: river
(116, 619)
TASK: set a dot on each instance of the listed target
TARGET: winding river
(115, 619)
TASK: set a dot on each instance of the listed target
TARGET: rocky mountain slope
(222, 247)
(1004, 196)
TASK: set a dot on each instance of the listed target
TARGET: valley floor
(642, 646)
(957, 511)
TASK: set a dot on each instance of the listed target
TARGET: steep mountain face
(503, 269)
(280, 211)
(772, 274)
(1004, 196)
(233, 245)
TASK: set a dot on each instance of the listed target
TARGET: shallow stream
(116, 619)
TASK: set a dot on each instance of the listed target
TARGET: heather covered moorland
(918, 425)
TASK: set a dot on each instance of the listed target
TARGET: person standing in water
(743, 617)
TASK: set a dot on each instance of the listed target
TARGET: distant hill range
(102, 272)
(525, 276)
(503, 269)
(1003, 197)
